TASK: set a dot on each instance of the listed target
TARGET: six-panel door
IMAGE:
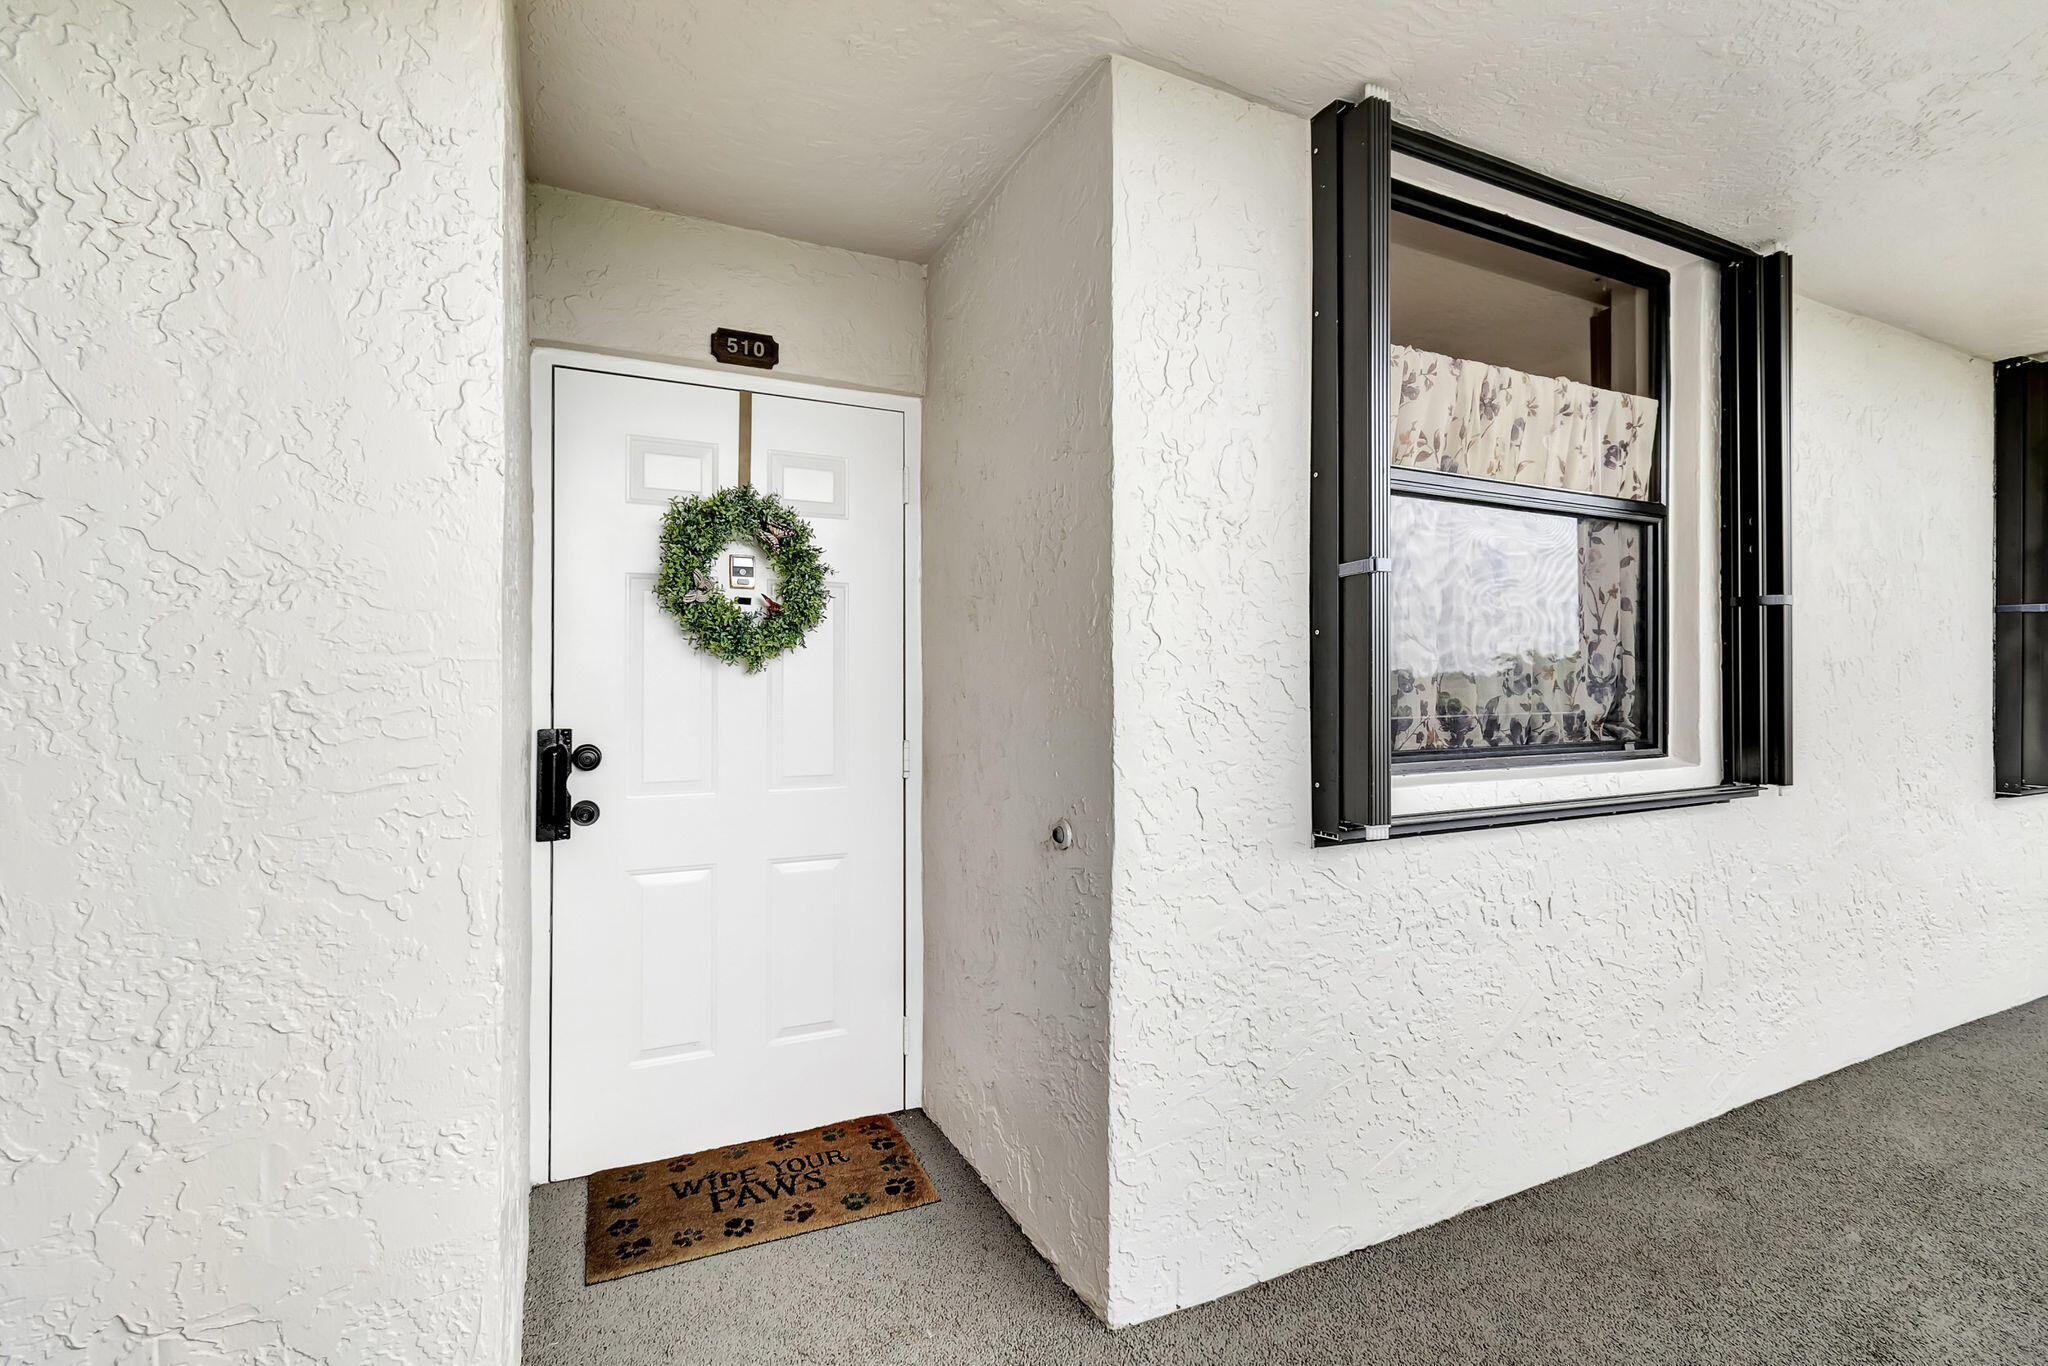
(728, 936)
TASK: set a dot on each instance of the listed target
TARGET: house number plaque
(757, 349)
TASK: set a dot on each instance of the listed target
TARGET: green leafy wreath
(694, 531)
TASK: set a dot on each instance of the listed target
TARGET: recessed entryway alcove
(1128, 1033)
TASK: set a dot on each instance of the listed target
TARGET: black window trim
(2019, 714)
(1351, 483)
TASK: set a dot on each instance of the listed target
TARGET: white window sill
(1421, 793)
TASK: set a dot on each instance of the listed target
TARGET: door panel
(672, 707)
(808, 914)
(805, 700)
(728, 936)
(678, 994)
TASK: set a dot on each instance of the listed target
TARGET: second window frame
(1352, 759)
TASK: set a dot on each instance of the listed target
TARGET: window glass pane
(1509, 365)
(1514, 628)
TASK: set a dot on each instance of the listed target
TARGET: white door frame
(545, 360)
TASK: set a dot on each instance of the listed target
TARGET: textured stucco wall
(259, 1028)
(1017, 691)
(1315, 1050)
(621, 278)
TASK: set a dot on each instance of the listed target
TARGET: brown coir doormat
(661, 1213)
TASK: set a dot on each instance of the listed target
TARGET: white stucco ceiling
(1898, 147)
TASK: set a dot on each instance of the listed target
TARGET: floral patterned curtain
(1464, 417)
(1515, 628)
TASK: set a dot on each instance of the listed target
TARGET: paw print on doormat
(881, 1144)
(784, 1144)
(689, 1237)
(740, 1151)
(831, 1135)
(626, 1201)
(633, 1175)
(738, 1228)
(902, 1185)
(894, 1162)
(874, 1126)
(682, 1164)
(854, 1199)
(619, 1228)
(796, 1214)
(637, 1248)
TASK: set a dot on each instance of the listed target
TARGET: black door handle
(551, 785)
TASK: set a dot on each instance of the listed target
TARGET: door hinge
(906, 758)
(906, 1036)
(906, 486)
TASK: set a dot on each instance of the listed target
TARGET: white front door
(728, 934)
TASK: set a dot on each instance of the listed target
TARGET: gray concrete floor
(1896, 1212)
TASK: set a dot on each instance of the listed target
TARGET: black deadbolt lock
(550, 785)
(552, 760)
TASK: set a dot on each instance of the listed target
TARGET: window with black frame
(1527, 379)
(1491, 491)
(2020, 643)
